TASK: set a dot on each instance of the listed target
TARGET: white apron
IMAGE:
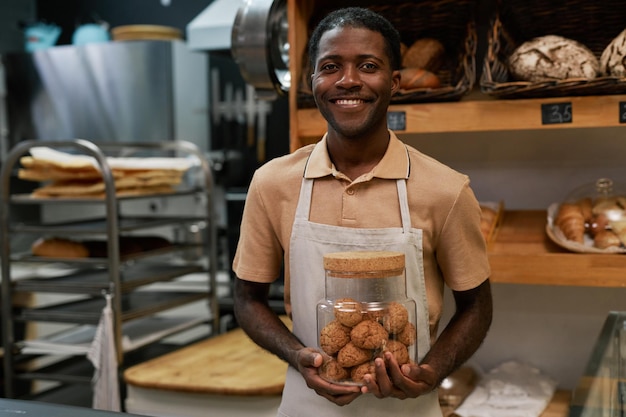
(309, 242)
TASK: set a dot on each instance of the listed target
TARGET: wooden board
(559, 405)
(229, 364)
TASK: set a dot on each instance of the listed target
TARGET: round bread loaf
(412, 78)
(552, 57)
(612, 60)
(427, 53)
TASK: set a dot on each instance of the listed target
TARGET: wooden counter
(228, 364)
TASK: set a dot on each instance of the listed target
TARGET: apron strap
(404, 205)
(304, 201)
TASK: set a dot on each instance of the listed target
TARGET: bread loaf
(59, 248)
(552, 57)
(427, 53)
(412, 78)
(55, 247)
(613, 57)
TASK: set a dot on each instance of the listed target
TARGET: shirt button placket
(349, 206)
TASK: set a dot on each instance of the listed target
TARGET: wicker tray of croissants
(590, 224)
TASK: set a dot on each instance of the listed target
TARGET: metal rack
(117, 275)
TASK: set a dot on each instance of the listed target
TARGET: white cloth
(309, 242)
(512, 389)
(103, 356)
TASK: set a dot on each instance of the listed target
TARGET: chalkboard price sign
(396, 120)
(622, 111)
(555, 113)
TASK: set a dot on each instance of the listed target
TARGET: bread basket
(594, 24)
(449, 21)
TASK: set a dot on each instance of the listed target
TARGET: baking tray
(134, 305)
(95, 281)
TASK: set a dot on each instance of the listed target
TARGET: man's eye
(328, 67)
(369, 66)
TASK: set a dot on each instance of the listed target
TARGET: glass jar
(365, 313)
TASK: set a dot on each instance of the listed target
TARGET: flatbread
(44, 192)
(73, 187)
(67, 175)
(41, 174)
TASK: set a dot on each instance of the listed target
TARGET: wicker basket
(593, 23)
(449, 21)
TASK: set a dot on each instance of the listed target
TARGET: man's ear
(395, 81)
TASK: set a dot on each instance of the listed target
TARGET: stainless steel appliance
(138, 91)
(255, 31)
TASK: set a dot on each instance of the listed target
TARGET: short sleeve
(259, 253)
(461, 250)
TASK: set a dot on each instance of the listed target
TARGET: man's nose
(350, 78)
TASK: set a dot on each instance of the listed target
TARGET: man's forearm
(262, 325)
(464, 333)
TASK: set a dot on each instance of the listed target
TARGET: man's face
(353, 80)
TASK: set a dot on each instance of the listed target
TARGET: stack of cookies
(357, 336)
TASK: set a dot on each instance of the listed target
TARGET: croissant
(606, 239)
(571, 221)
(586, 205)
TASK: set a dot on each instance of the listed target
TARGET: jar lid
(364, 262)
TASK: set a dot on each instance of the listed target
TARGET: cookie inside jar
(365, 313)
(594, 216)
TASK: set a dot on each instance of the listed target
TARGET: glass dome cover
(591, 218)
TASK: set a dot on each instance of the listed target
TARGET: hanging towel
(103, 356)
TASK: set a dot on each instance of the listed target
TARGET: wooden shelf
(475, 113)
(522, 253)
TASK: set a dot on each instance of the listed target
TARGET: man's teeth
(348, 101)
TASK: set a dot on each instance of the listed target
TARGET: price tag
(622, 111)
(554, 113)
(396, 120)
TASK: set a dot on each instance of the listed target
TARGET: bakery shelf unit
(521, 252)
(142, 286)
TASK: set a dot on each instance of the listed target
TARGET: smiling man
(361, 188)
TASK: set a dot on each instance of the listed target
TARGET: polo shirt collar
(393, 165)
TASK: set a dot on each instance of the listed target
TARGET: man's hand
(309, 360)
(391, 380)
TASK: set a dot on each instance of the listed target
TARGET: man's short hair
(358, 17)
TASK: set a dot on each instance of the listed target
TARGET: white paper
(512, 389)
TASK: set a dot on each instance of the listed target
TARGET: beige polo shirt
(440, 201)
